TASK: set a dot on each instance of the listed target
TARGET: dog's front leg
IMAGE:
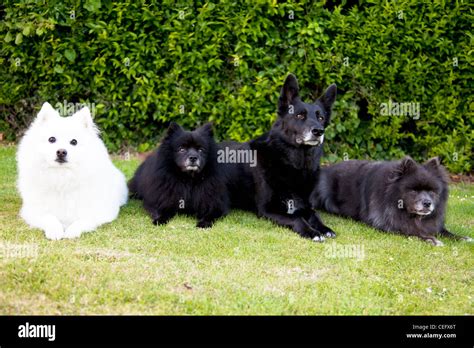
(445, 233)
(296, 223)
(159, 216)
(162, 216)
(430, 239)
(79, 226)
(316, 223)
(207, 220)
(49, 223)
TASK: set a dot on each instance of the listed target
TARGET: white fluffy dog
(65, 176)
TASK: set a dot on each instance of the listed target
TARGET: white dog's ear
(85, 118)
(47, 112)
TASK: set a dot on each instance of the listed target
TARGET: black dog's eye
(319, 116)
(200, 149)
(73, 142)
(52, 140)
(181, 149)
(300, 116)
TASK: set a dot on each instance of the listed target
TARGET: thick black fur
(238, 178)
(167, 187)
(288, 162)
(386, 195)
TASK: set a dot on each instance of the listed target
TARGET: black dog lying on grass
(183, 176)
(397, 196)
(288, 161)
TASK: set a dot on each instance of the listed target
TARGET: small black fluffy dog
(288, 161)
(398, 196)
(183, 176)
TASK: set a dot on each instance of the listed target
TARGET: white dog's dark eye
(73, 142)
(320, 118)
(52, 140)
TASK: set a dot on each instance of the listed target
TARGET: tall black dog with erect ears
(288, 161)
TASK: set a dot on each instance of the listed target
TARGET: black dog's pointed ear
(329, 97)
(173, 129)
(405, 166)
(288, 93)
(432, 163)
(434, 166)
(206, 129)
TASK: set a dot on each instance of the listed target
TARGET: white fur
(308, 139)
(65, 200)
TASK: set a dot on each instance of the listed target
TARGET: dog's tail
(322, 197)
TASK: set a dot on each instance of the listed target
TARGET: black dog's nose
(193, 159)
(317, 131)
(426, 203)
(61, 153)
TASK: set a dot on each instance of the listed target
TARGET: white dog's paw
(74, 230)
(54, 231)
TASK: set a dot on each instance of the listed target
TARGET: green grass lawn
(243, 265)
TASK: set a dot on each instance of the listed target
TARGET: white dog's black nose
(317, 131)
(61, 153)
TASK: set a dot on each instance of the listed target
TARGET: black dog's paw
(322, 230)
(204, 224)
(467, 239)
(159, 220)
(318, 239)
(322, 233)
(433, 241)
(304, 229)
(329, 233)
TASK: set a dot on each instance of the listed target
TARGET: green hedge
(145, 63)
